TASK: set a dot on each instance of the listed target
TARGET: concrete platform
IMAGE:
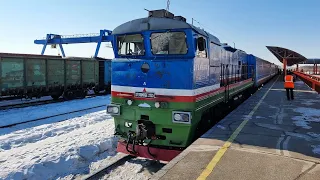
(266, 137)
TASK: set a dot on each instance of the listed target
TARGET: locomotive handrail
(312, 81)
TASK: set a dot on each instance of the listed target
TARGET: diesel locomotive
(168, 78)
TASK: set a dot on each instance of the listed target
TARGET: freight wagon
(27, 75)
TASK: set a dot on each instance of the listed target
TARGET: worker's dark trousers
(291, 93)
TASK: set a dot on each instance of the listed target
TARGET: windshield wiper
(121, 43)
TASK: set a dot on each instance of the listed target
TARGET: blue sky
(251, 24)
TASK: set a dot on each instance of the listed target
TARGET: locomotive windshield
(169, 43)
(130, 45)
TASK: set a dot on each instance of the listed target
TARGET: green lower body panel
(172, 134)
(169, 132)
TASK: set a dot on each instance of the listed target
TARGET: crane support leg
(62, 51)
(45, 44)
(97, 49)
(43, 49)
(102, 33)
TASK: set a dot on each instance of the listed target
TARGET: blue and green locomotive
(168, 77)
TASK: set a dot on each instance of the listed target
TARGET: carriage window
(130, 45)
(169, 43)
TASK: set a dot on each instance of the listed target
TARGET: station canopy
(292, 57)
(311, 61)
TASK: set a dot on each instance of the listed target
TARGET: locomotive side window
(130, 45)
(201, 47)
(168, 43)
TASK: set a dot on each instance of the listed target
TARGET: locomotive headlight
(113, 109)
(177, 117)
(181, 117)
(157, 104)
(129, 102)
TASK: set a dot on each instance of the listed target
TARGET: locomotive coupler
(145, 130)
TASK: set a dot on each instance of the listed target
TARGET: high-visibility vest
(288, 82)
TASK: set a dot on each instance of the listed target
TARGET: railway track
(139, 168)
(104, 170)
(37, 103)
(26, 104)
(47, 117)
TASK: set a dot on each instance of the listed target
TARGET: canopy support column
(285, 66)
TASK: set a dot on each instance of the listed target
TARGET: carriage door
(227, 82)
(215, 63)
(227, 69)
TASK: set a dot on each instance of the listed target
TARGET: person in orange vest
(289, 85)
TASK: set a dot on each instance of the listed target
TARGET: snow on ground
(56, 150)
(310, 102)
(4, 131)
(314, 135)
(260, 117)
(316, 149)
(17, 115)
(135, 169)
(64, 147)
(307, 115)
(38, 133)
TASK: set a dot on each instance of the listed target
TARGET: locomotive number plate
(144, 95)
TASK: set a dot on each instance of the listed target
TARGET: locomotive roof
(229, 48)
(155, 23)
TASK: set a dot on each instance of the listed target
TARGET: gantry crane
(56, 39)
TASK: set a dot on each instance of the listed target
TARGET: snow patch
(144, 105)
(247, 117)
(260, 117)
(273, 107)
(308, 111)
(62, 154)
(307, 115)
(309, 102)
(269, 126)
(136, 169)
(315, 135)
(221, 127)
(89, 151)
(38, 133)
(316, 149)
(298, 135)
